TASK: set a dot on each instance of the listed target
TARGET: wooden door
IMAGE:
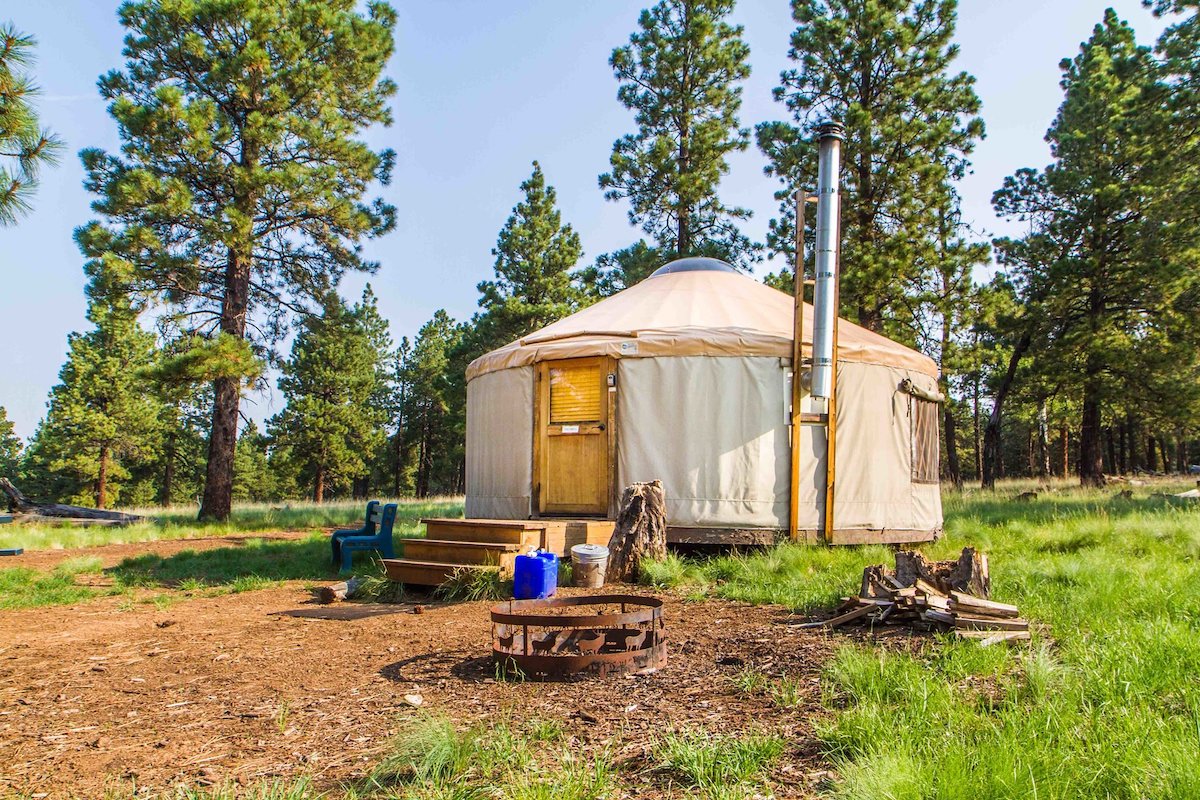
(574, 437)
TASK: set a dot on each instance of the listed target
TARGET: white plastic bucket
(588, 564)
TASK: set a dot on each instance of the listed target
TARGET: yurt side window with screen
(925, 447)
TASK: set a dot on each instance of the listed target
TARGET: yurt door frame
(574, 441)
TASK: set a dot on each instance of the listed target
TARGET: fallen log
(27, 510)
(340, 591)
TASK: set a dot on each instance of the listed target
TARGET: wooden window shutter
(575, 394)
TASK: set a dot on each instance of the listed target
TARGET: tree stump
(968, 573)
(641, 531)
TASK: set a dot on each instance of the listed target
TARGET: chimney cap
(831, 128)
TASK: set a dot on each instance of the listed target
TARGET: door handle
(601, 427)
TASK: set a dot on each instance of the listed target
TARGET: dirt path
(264, 684)
(112, 554)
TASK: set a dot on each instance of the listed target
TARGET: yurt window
(924, 414)
(575, 393)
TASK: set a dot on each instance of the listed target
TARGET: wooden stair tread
(525, 524)
(504, 547)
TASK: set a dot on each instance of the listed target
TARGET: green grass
(21, 587)
(179, 522)
(1104, 704)
(714, 763)
(518, 760)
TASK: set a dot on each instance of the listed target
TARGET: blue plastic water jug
(535, 576)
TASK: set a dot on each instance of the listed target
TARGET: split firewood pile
(932, 596)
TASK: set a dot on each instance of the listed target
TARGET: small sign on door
(570, 429)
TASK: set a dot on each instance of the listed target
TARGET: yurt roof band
(696, 313)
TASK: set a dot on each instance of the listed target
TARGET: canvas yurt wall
(699, 396)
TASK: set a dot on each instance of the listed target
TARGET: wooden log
(340, 591)
(640, 532)
(1004, 636)
(31, 511)
(940, 617)
(977, 606)
(841, 619)
(988, 638)
(930, 590)
(873, 583)
(990, 623)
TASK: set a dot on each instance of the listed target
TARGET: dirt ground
(267, 684)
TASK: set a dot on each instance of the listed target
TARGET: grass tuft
(710, 761)
(474, 584)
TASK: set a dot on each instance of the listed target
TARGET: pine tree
(621, 269)
(680, 74)
(10, 448)
(101, 416)
(237, 197)
(884, 70)
(24, 145)
(433, 436)
(948, 306)
(395, 461)
(1091, 263)
(253, 479)
(535, 255)
(331, 424)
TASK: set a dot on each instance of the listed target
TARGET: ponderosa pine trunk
(102, 479)
(1091, 462)
(168, 482)
(1110, 441)
(1043, 441)
(953, 469)
(227, 390)
(991, 435)
(318, 494)
(1122, 446)
(1064, 438)
(976, 432)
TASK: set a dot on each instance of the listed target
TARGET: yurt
(686, 378)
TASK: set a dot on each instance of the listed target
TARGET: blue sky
(485, 88)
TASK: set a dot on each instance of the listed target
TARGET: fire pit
(561, 637)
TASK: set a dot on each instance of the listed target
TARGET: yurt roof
(693, 308)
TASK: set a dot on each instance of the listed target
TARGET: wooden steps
(487, 544)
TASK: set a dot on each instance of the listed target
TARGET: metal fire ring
(545, 639)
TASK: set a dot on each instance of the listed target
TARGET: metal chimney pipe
(828, 238)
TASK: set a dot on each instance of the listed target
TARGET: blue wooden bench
(376, 535)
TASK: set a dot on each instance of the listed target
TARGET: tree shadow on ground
(253, 560)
